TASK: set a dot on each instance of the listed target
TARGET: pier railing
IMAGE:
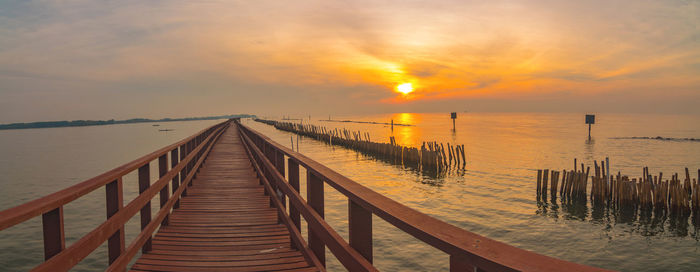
(467, 251)
(185, 158)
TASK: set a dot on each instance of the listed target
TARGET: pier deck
(225, 223)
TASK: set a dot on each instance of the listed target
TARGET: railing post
(360, 221)
(176, 180)
(144, 183)
(192, 162)
(314, 196)
(457, 265)
(54, 235)
(164, 193)
(279, 159)
(183, 172)
(188, 146)
(294, 182)
(115, 202)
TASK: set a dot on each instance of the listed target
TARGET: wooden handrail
(31, 209)
(467, 250)
(193, 151)
(295, 235)
(352, 260)
(123, 260)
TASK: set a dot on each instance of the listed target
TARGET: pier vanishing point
(229, 200)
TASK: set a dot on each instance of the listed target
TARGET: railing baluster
(294, 214)
(190, 165)
(183, 172)
(144, 183)
(294, 182)
(54, 235)
(115, 202)
(314, 196)
(279, 159)
(165, 192)
(457, 265)
(360, 221)
(174, 159)
(188, 149)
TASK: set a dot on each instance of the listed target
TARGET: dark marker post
(453, 115)
(590, 119)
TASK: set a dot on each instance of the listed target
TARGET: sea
(494, 195)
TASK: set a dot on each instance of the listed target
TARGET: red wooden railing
(186, 156)
(468, 251)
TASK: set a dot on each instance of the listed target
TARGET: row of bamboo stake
(432, 156)
(618, 190)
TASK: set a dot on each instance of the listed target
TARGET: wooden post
(144, 183)
(183, 172)
(164, 193)
(314, 196)
(115, 202)
(457, 265)
(279, 159)
(539, 181)
(545, 179)
(360, 228)
(54, 234)
(294, 182)
(190, 164)
(174, 160)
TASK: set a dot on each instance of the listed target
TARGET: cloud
(341, 54)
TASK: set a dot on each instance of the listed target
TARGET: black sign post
(590, 119)
(453, 115)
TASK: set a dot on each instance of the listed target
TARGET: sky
(65, 60)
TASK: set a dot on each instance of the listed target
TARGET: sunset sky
(122, 59)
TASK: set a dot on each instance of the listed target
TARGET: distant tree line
(83, 123)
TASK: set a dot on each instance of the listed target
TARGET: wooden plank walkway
(225, 223)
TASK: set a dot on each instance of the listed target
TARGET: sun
(405, 88)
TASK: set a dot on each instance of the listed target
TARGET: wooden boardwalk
(225, 223)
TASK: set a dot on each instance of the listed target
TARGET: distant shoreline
(86, 123)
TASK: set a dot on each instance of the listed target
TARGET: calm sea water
(494, 197)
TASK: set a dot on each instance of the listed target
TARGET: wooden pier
(229, 201)
(225, 223)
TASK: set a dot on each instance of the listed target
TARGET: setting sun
(405, 88)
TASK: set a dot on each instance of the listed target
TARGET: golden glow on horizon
(378, 56)
(407, 135)
(405, 88)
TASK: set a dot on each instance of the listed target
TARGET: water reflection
(644, 220)
(589, 148)
(426, 175)
(407, 135)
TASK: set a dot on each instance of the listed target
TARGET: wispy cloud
(345, 53)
